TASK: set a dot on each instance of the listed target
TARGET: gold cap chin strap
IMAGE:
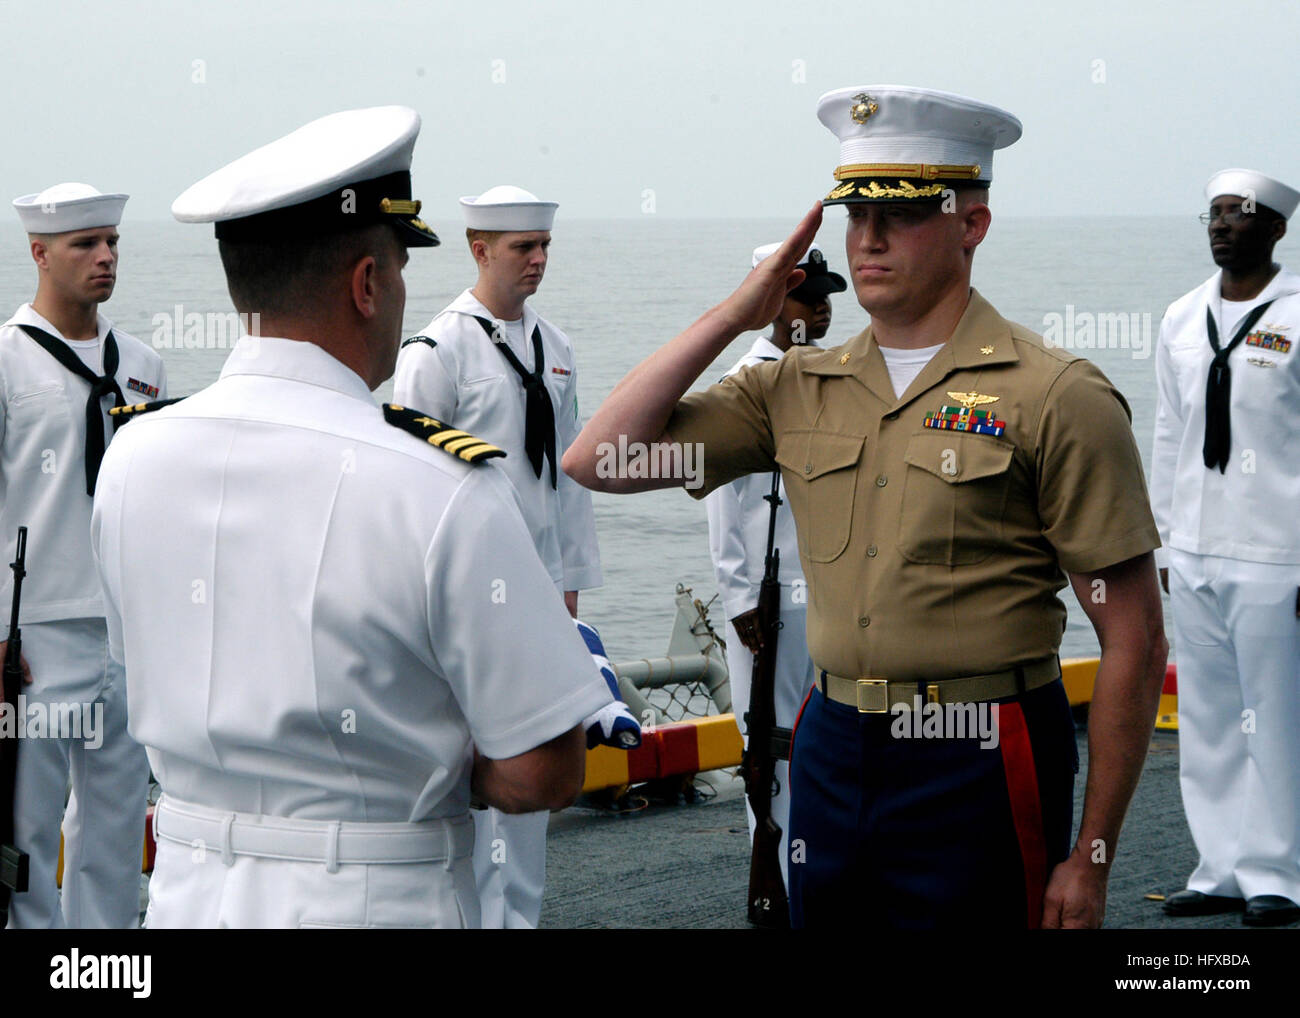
(400, 206)
(917, 171)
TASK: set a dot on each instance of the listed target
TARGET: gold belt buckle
(873, 696)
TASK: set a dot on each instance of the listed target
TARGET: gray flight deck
(687, 866)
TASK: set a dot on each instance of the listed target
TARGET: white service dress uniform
(1232, 548)
(453, 372)
(43, 487)
(739, 515)
(309, 603)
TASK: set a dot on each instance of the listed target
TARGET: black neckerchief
(1218, 391)
(539, 413)
(100, 386)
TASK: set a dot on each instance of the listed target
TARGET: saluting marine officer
(488, 363)
(940, 507)
(62, 366)
(1225, 479)
(302, 584)
(739, 517)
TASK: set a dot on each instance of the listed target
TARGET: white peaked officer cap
(509, 209)
(899, 143)
(66, 207)
(1266, 191)
(341, 172)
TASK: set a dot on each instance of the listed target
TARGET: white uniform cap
(509, 209)
(819, 280)
(1266, 191)
(66, 207)
(767, 250)
(899, 143)
(343, 171)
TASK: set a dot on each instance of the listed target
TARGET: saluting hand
(757, 301)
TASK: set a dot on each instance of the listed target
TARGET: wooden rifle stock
(768, 905)
(13, 862)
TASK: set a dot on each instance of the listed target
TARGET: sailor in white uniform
(333, 619)
(488, 363)
(1225, 483)
(62, 366)
(739, 516)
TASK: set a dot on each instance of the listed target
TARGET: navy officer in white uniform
(488, 363)
(1225, 484)
(739, 517)
(333, 619)
(62, 366)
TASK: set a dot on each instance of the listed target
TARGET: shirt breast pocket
(821, 484)
(483, 380)
(44, 401)
(954, 497)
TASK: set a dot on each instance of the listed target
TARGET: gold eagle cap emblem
(970, 400)
(863, 107)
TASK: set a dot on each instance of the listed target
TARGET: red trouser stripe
(1026, 809)
(797, 718)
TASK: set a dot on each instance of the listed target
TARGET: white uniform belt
(331, 842)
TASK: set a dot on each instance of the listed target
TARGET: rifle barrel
(19, 566)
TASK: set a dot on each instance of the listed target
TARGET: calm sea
(621, 288)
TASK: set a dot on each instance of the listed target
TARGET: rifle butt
(768, 908)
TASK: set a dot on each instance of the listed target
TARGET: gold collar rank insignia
(986, 350)
(970, 400)
(844, 359)
(863, 107)
(444, 436)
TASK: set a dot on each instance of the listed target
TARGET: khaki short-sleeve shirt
(933, 553)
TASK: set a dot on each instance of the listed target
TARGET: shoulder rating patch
(418, 339)
(125, 413)
(450, 440)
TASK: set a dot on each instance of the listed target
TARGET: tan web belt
(879, 696)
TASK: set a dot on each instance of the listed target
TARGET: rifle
(768, 906)
(13, 861)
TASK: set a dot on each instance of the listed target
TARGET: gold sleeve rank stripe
(135, 409)
(450, 440)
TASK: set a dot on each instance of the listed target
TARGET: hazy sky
(1127, 106)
